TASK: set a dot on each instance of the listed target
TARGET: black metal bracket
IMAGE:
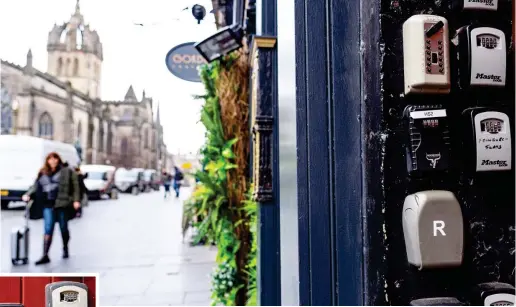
(262, 119)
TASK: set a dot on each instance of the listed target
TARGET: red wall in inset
(30, 291)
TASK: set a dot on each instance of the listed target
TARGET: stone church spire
(130, 95)
(28, 69)
(158, 117)
(77, 8)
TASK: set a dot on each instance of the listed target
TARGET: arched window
(46, 126)
(67, 68)
(60, 66)
(79, 38)
(109, 139)
(124, 146)
(146, 138)
(62, 39)
(100, 144)
(75, 67)
(79, 131)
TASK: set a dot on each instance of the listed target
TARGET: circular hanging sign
(184, 62)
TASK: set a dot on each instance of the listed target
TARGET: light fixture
(15, 105)
(221, 43)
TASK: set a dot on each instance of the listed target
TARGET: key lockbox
(428, 140)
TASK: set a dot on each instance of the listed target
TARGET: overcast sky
(132, 54)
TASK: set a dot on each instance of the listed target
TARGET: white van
(21, 157)
(99, 180)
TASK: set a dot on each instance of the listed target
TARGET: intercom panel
(428, 139)
(488, 139)
(426, 55)
(66, 293)
(433, 229)
(482, 57)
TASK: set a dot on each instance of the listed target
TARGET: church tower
(75, 54)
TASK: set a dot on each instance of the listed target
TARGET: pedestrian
(178, 177)
(57, 191)
(167, 181)
(83, 190)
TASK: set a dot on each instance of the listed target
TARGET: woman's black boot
(47, 240)
(66, 239)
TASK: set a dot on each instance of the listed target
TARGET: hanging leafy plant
(216, 207)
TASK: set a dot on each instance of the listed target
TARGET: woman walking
(57, 191)
(167, 181)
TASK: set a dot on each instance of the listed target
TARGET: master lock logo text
(495, 78)
(486, 2)
(500, 163)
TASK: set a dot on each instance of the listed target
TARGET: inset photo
(36, 290)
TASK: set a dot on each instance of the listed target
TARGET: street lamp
(14, 106)
(221, 43)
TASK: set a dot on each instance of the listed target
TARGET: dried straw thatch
(232, 89)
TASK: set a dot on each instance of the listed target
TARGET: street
(134, 243)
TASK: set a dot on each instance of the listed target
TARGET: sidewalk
(134, 243)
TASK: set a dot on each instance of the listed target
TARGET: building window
(109, 140)
(128, 114)
(67, 68)
(75, 67)
(100, 144)
(46, 126)
(60, 66)
(124, 146)
(79, 131)
(146, 138)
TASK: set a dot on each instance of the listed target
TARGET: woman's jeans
(51, 216)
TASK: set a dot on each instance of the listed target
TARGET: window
(79, 37)
(146, 138)
(46, 126)
(62, 39)
(128, 114)
(124, 146)
(109, 140)
(100, 144)
(75, 67)
(67, 68)
(60, 66)
(79, 131)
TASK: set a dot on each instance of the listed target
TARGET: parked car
(145, 182)
(21, 157)
(152, 177)
(129, 180)
(99, 180)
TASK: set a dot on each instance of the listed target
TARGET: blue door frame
(332, 119)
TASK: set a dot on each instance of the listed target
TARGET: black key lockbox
(428, 139)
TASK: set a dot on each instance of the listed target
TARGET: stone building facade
(65, 103)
